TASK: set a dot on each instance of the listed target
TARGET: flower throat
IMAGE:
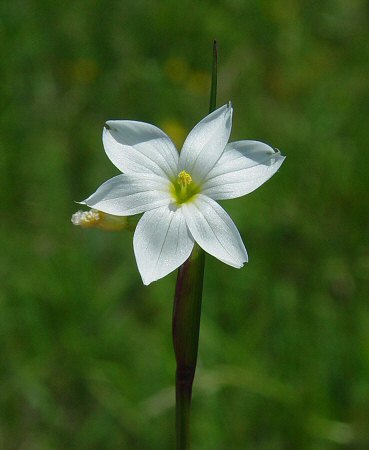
(184, 188)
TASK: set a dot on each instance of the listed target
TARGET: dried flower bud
(101, 220)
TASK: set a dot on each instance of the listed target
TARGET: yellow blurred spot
(84, 71)
(179, 72)
(176, 69)
(199, 82)
(175, 131)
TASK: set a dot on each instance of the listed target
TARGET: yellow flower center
(184, 179)
(184, 188)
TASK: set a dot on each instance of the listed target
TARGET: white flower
(177, 192)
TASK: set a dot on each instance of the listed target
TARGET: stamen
(185, 188)
(184, 179)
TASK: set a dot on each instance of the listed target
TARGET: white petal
(242, 168)
(125, 195)
(161, 242)
(206, 142)
(214, 230)
(138, 147)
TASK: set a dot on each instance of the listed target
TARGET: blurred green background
(86, 353)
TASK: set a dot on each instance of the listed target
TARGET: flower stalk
(186, 328)
(186, 317)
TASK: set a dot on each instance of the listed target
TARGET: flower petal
(138, 147)
(214, 230)
(125, 195)
(242, 168)
(206, 142)
(161, 242)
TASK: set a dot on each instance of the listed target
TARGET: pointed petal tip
(240, 265)
(227, 108)
(146, 282)
(229, 111)
(235, 265)
(245, 261)
(147, 279)
(276, 150)
(279, 158)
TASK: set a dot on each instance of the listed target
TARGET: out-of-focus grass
(86, 358)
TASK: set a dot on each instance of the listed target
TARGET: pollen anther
(184, 179)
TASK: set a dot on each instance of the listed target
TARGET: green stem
(186, 328)
(186, 317)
